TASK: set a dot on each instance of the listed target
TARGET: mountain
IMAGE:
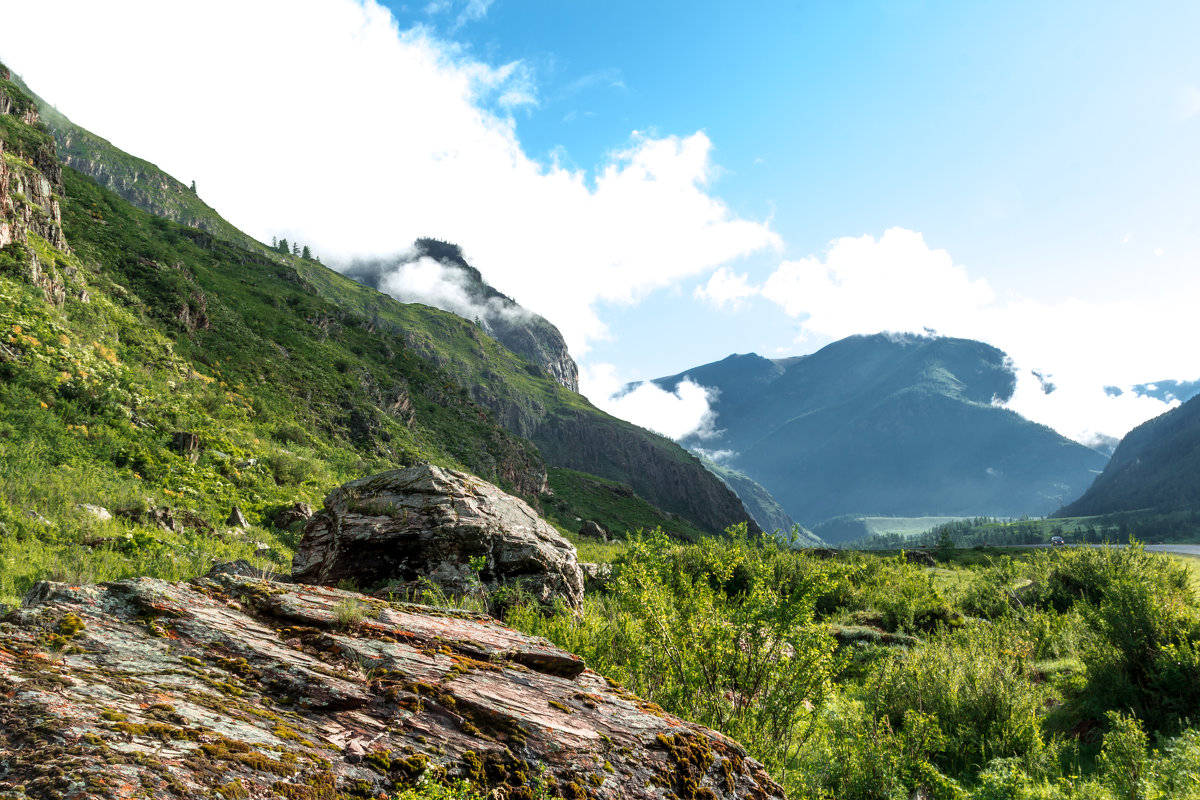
(886, 425)
(170, 372)
(461, 289)
(1154, 468)
(134, 179)
(762, 506)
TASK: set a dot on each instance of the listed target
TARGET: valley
(267, 530)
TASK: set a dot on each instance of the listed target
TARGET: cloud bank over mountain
(897, 282)
(357, 137)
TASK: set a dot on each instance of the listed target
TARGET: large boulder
(448, 527)
(236, 687)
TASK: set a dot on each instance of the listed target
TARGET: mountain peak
(437, 273)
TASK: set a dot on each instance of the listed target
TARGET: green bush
(709, 632)
(975, 685)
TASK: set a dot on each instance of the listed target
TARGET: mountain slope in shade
(762, 506)
(889, 425)
(1156, 467)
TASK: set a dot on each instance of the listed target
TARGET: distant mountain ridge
(889, 425)
(1156, 467)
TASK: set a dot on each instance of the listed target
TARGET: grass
(578, 497)
(1192, 563)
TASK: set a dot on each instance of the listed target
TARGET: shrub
(975, 683)
(721, 632)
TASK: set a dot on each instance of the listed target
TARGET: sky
(670, 183)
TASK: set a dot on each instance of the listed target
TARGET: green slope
(568, 430)
(134, 179)
(121, 330)
(1155, 468)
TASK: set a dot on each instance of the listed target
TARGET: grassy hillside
(166, 330)
(148, 365)
(134, 179)
(523, 397)
(578, 497)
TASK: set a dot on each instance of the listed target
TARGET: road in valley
(1175, 549)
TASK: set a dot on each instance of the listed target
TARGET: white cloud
(898, 283)
(866, 285)
(684, 412)
(1187, 102)
(323, 122)
(726, 287)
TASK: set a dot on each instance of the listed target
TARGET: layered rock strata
(231, 686)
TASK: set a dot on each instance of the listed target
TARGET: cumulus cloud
(684, 413)
(1066, 353)
(726, 287)
(323, 121)
(864, 284)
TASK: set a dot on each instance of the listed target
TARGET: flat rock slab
(239, 687)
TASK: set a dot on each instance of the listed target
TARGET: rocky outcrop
(593, 530)
(286, 517)
(235, 687)
(444, 526)
(30, 187)
(527, 334)
(30, 180)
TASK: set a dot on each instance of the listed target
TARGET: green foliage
(427, 788)
(974, 686)
(1124, 759)
(722, 632)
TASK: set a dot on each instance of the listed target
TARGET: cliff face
(237, 687)
(30, 175)
(135, 180)
(30, 189)
(654, 467)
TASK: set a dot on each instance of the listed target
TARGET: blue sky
(779, 174)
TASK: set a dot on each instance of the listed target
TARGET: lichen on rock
(149, 688)
(443, 526)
